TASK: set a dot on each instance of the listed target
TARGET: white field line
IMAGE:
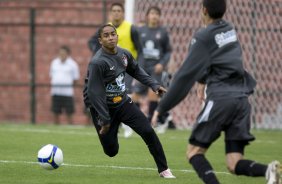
(103, 166)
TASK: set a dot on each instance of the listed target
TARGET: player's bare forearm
(155, 118)
(201, 91)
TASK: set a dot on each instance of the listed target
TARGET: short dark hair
(65, 48)
(215, 8)
(154, 8)
(100, 30)
(117, 4)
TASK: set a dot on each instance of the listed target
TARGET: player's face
(109, 38)
(117, 13)
(63, 54)
(153, 17)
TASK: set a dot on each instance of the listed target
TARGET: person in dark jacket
(215, 60)
(128, 39)
(154, 60)
(106, 96)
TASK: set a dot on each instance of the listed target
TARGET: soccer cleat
(161, 128)
(127, 131)
(273, 173)
(166, 174)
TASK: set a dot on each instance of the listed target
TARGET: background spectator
(64, 72)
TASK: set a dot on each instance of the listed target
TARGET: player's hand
(159, 68)
(201, 91)
(154, 120)
(160, 91)
(104, 129)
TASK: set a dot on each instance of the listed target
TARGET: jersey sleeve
(192, 70)
(166, 49)
(96, 92)
(136, 40)
(137, 72)
(93, 43)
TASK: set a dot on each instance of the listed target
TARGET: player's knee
(148, 135)
(190, 154)
(111, 152)
(194, 150)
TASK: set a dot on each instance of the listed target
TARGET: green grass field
(85, 162)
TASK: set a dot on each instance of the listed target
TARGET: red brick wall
(62, 22)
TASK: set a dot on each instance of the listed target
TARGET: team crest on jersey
(124, 60)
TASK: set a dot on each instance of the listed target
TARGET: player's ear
(204, 11)
(100, 40)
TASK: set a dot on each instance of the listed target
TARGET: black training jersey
(214, 58)
(156, 46)
(105, 86)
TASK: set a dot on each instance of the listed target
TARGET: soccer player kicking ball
(215, 59)
(105, 95)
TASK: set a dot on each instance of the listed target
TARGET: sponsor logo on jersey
(117, 99)
(224, 38)
(149, 50)
(117, 86)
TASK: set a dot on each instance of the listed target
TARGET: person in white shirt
(64, 73)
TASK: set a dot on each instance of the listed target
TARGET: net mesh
(259, 27)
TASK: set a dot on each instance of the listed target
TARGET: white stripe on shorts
(206, 113)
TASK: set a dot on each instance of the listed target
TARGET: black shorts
(229, 115)
(60, 103)
(142, 89)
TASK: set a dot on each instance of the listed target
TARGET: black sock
(203, 169)
(162, 119)
(250, 168)
(152, 107)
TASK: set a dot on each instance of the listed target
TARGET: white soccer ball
(50, 157)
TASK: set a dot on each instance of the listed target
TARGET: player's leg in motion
(196, 157)
(236, 164)
(236, 128)
(133, 117)
(206, 130)
(109, 140)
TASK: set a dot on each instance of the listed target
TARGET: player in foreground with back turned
(105, 94)
(215, 59)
